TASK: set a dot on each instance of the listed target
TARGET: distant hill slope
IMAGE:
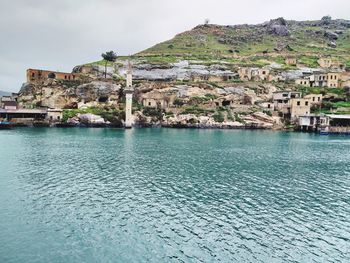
(303, 39)
(4, 93)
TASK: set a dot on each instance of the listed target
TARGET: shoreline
(177, 126)
(180, 127)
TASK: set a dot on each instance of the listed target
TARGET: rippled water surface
(167, 195)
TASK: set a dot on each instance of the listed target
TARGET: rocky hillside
(193, 79)
(220, 50)
(258, 44)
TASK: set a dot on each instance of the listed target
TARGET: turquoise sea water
(168, 195)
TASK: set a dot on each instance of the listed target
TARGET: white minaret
(129, 90)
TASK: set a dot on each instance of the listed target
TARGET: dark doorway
(103, 99)
(51, 75)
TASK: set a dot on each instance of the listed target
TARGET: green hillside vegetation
(248, 44)
(256, 45)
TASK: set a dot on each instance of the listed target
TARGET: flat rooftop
(24, 111)
(343, 117)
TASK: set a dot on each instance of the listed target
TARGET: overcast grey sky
(59, 34)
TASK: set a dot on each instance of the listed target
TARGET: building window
(318, 98)
(268, 105)
(335, 77)
(149, 103)
(65, 77)
(33, 75)
(331, 76)
(306, 103)
(298, 103)
(313, 98)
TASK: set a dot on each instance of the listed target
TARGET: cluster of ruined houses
(291, 105)
(298, 110)
(10, 111)
(331, 74)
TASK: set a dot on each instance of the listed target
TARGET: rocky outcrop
(88, 120)
(332, 44)
(181, 70)
(278, 27)
(58, 94)
(331, 35)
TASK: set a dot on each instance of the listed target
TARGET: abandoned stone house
(299, 107)
(156, 99)
(228, 101)
(37, 76)
(330, 80)
(328, 62)
(325, 62)
(303, 82)
(54, 115)
(319, 79)
(281, 98)
(276, 77)
(245, 74)
(267, 106)
(315, 99)
(345, 79)
(292, 105)
(291, 61)
(333, 80)
(254, 74)
(263, 73)
(212, 77)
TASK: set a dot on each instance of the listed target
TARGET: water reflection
(173, 195)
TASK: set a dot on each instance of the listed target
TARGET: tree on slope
(109, 56)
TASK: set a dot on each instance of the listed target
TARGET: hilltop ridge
(307, 39)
